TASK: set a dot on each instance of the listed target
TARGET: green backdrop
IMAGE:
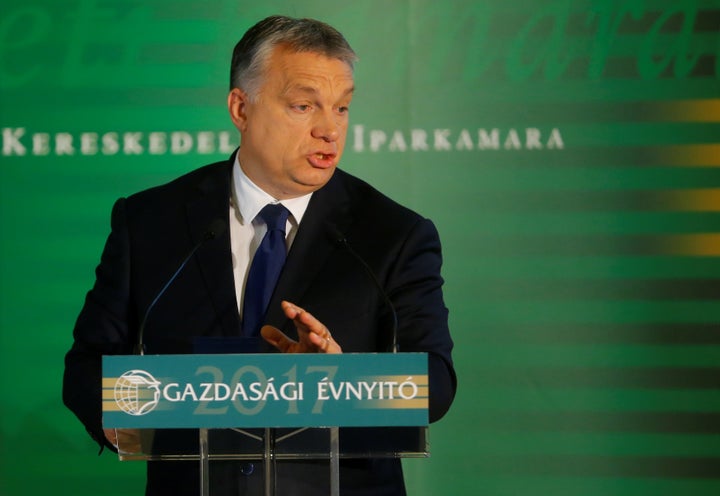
(568, 151)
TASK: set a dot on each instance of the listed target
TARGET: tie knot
(275, 216)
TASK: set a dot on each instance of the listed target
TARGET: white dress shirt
(246, 232)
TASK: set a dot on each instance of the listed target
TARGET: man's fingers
(127, 441)
(324, 341)
(111, 435)
(304, 320)
(313, 335)
(319, 341)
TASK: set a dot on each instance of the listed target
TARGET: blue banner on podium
(265, 390)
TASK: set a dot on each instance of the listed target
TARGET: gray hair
(300, 35)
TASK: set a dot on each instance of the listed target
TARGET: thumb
(276, 337)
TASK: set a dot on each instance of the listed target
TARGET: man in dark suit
(291, 88)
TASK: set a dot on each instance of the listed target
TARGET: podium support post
(334, 461)
(204, 463)
(269, 459)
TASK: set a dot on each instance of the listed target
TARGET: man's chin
(307, 183)
(316, 179)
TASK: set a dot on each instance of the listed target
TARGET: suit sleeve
(102, 328)
(415, 288)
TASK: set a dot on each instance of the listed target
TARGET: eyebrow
(312, 90)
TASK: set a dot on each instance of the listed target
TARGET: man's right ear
(237, 106)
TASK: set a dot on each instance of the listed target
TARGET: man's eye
(301, 107)
(343, 110)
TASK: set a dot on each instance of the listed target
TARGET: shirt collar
(250, 199)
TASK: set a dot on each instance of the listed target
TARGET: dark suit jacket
(152, 231)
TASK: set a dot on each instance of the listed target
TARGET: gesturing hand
(127, 441)
(313, 336)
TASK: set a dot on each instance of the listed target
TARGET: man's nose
(326, 127)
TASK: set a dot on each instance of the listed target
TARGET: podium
(266, 409)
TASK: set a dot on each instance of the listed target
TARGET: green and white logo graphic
(137, 392)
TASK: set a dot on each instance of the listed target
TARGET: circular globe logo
(137, 392)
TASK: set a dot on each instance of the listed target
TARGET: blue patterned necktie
(265, 269)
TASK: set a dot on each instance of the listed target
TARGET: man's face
(293, 132)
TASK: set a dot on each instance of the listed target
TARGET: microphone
(215, 229)
(339, 238)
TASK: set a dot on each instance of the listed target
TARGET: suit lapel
(215, 258)
(327, 212)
